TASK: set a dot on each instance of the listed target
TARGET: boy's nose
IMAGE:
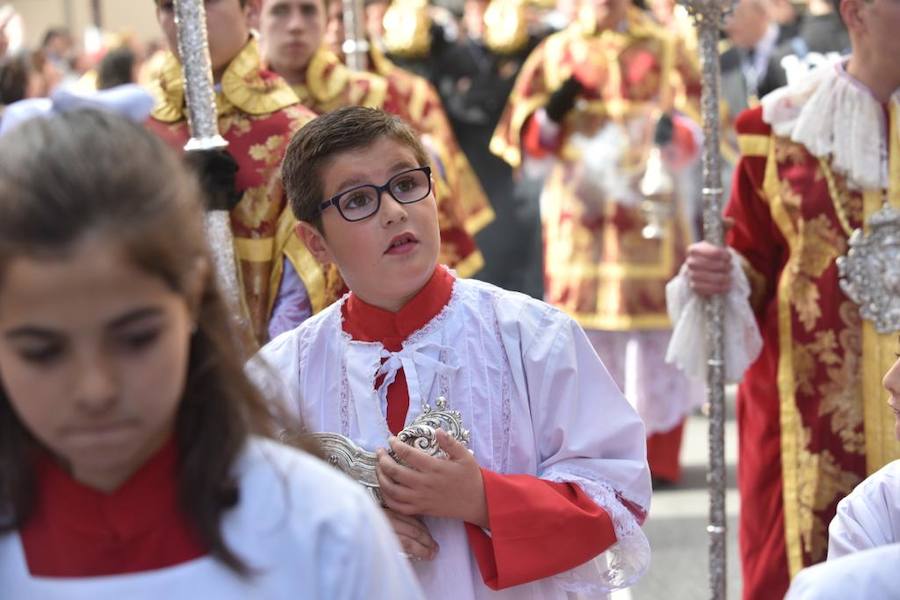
(391, 210)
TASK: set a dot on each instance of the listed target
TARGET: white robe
(869, 516)
(869, 574)
(531, 390)
(305, 529)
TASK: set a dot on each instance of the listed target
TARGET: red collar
(77, 531)
(137, 506)
(368, 323)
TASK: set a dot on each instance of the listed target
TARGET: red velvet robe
(802, 443)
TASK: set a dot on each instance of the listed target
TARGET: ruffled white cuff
(687, 348)
(624, 562)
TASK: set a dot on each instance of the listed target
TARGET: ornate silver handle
(359, 464)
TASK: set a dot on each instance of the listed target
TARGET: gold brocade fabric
(598, 265)
(258, 114)
(416, 100)
(793, 218)
(244, 86)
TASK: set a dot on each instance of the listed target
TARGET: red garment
(538, 528)
(78, 531)
(532, 142)
(663, 451)
(761, 540)
(800, 405)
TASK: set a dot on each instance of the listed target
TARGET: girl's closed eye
(138, 340)
(42, 354)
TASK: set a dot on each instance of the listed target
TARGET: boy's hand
(450, 487)
(415, 539)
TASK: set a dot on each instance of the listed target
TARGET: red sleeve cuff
(538, 529)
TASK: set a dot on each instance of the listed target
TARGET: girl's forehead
(90, 286)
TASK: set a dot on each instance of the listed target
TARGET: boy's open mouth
(402, 243)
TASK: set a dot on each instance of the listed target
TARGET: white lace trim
(834, 117)
(688, 345)
(624, 562)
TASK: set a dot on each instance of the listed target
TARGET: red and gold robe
(598, 266)
(426, 112)
(812, 421)
(330, 85)
(258, 114)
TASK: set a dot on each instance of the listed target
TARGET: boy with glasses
(551, 497)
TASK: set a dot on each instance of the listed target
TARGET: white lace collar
(835, 117)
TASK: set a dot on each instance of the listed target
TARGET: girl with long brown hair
(136, 459)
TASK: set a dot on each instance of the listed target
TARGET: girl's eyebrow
(139, 314)
(136, 315)
(31, 331)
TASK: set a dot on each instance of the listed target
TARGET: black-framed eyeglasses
(363, 201)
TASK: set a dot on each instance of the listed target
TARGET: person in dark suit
(478, 74)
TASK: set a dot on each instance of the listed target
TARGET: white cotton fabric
(688, 349)
(531, 390)
(869, 516)
(834, 117)
(660, 392)
(869, 574)
(308, 532)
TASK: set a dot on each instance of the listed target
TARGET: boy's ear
(315, 242)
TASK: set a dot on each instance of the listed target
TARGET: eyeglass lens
(407, 187)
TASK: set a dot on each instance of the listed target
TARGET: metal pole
(97, 14)
(708, 16)
(356, 43)
(200, 96)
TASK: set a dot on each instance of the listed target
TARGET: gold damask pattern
(823, 442)
(598, 266)
(257, 115)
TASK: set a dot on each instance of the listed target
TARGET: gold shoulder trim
(754, 144)
(167, 86)
(376, 89)
(381, 64)
(326, 76)
(244, 86)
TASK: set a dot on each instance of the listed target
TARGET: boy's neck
(393, 305)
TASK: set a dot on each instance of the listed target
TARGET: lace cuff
(623, 563)
(687, 348)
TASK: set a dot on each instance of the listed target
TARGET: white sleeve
(588, 434)
(372, 565)
(869, 516)
(867, 574)
(275, 372)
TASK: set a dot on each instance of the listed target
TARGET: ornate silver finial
(870, 272)
(421, 434)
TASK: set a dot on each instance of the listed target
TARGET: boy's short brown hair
(345, 129)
